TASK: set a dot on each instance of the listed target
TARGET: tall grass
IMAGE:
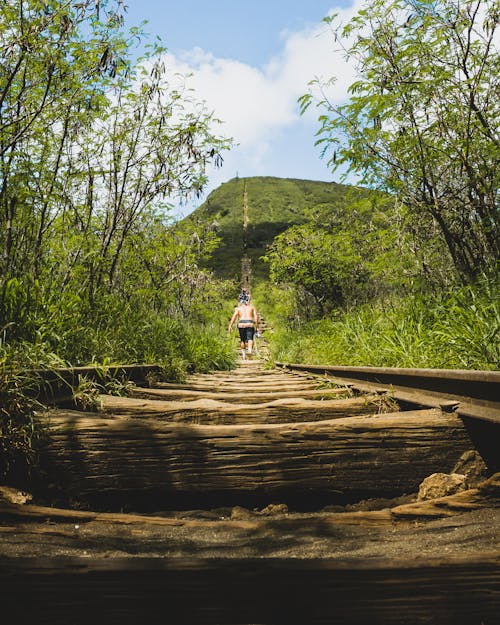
(20, 430)
(65, 333)
(459, 329)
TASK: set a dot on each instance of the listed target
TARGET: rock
(473, 467)
(240, 514)
(13, 495)
(275, 508)
(441, 485)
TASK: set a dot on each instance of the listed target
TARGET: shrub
(459, 329)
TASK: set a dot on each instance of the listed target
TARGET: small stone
(275, 508)
(240, 514)
(441, 485)
(473, 467)
(13, 495)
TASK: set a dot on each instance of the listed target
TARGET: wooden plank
(251, 396)
(448, 591)
(209, 411)
(254, 522)
(486, 495)
(238, 387)
(89, 456)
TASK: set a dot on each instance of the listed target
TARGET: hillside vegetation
(274, 204)
(95, 145)
(339, 273)
(413, 283)
(92, 268)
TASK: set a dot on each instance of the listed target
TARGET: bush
(459, 329)
(20, 430)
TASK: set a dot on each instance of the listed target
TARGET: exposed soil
(282, 535)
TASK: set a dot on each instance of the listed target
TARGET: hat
(244, 297)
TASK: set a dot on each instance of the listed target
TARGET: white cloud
(242, 96)
(256, 102)
(308, 55)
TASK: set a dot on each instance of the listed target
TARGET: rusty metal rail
(474, 394)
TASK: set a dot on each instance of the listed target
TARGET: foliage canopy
(93, 149)
(422, 118)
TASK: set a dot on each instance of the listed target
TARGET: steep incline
(274, 205)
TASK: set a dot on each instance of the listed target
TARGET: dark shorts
(246, 334)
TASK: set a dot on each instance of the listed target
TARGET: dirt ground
(243, 533)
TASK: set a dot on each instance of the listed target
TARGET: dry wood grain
(209, 411)
(486, 495)
(247, 397)
(448, 591)
(356, 457)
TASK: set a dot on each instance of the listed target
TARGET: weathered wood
(242, 397)
(254, 521)
(391, 566)
(91, 456)
(244, 376)
(60, 515)
(208, 411)
(57, 591)
(237, 387)
(486, 495)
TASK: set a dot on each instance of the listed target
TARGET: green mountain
(273, 204)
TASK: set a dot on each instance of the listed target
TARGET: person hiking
(247, 321)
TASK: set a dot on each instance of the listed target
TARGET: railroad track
(263, 496)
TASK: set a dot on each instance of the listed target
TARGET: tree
(422, 119)
(151, 143)
(344, 257)
(93, 151)
(57, 59)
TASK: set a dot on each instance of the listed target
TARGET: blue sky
(250, 61)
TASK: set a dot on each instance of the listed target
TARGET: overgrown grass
(20, 429)
(460, 329)
(63, 332)
(176, 347)
(55, 334)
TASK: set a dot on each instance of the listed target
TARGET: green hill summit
(274, 204)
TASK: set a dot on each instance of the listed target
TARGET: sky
(250, 62)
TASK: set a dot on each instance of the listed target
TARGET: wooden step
(447, 590)
(247, 397)
(209, 411)
(91, 456)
